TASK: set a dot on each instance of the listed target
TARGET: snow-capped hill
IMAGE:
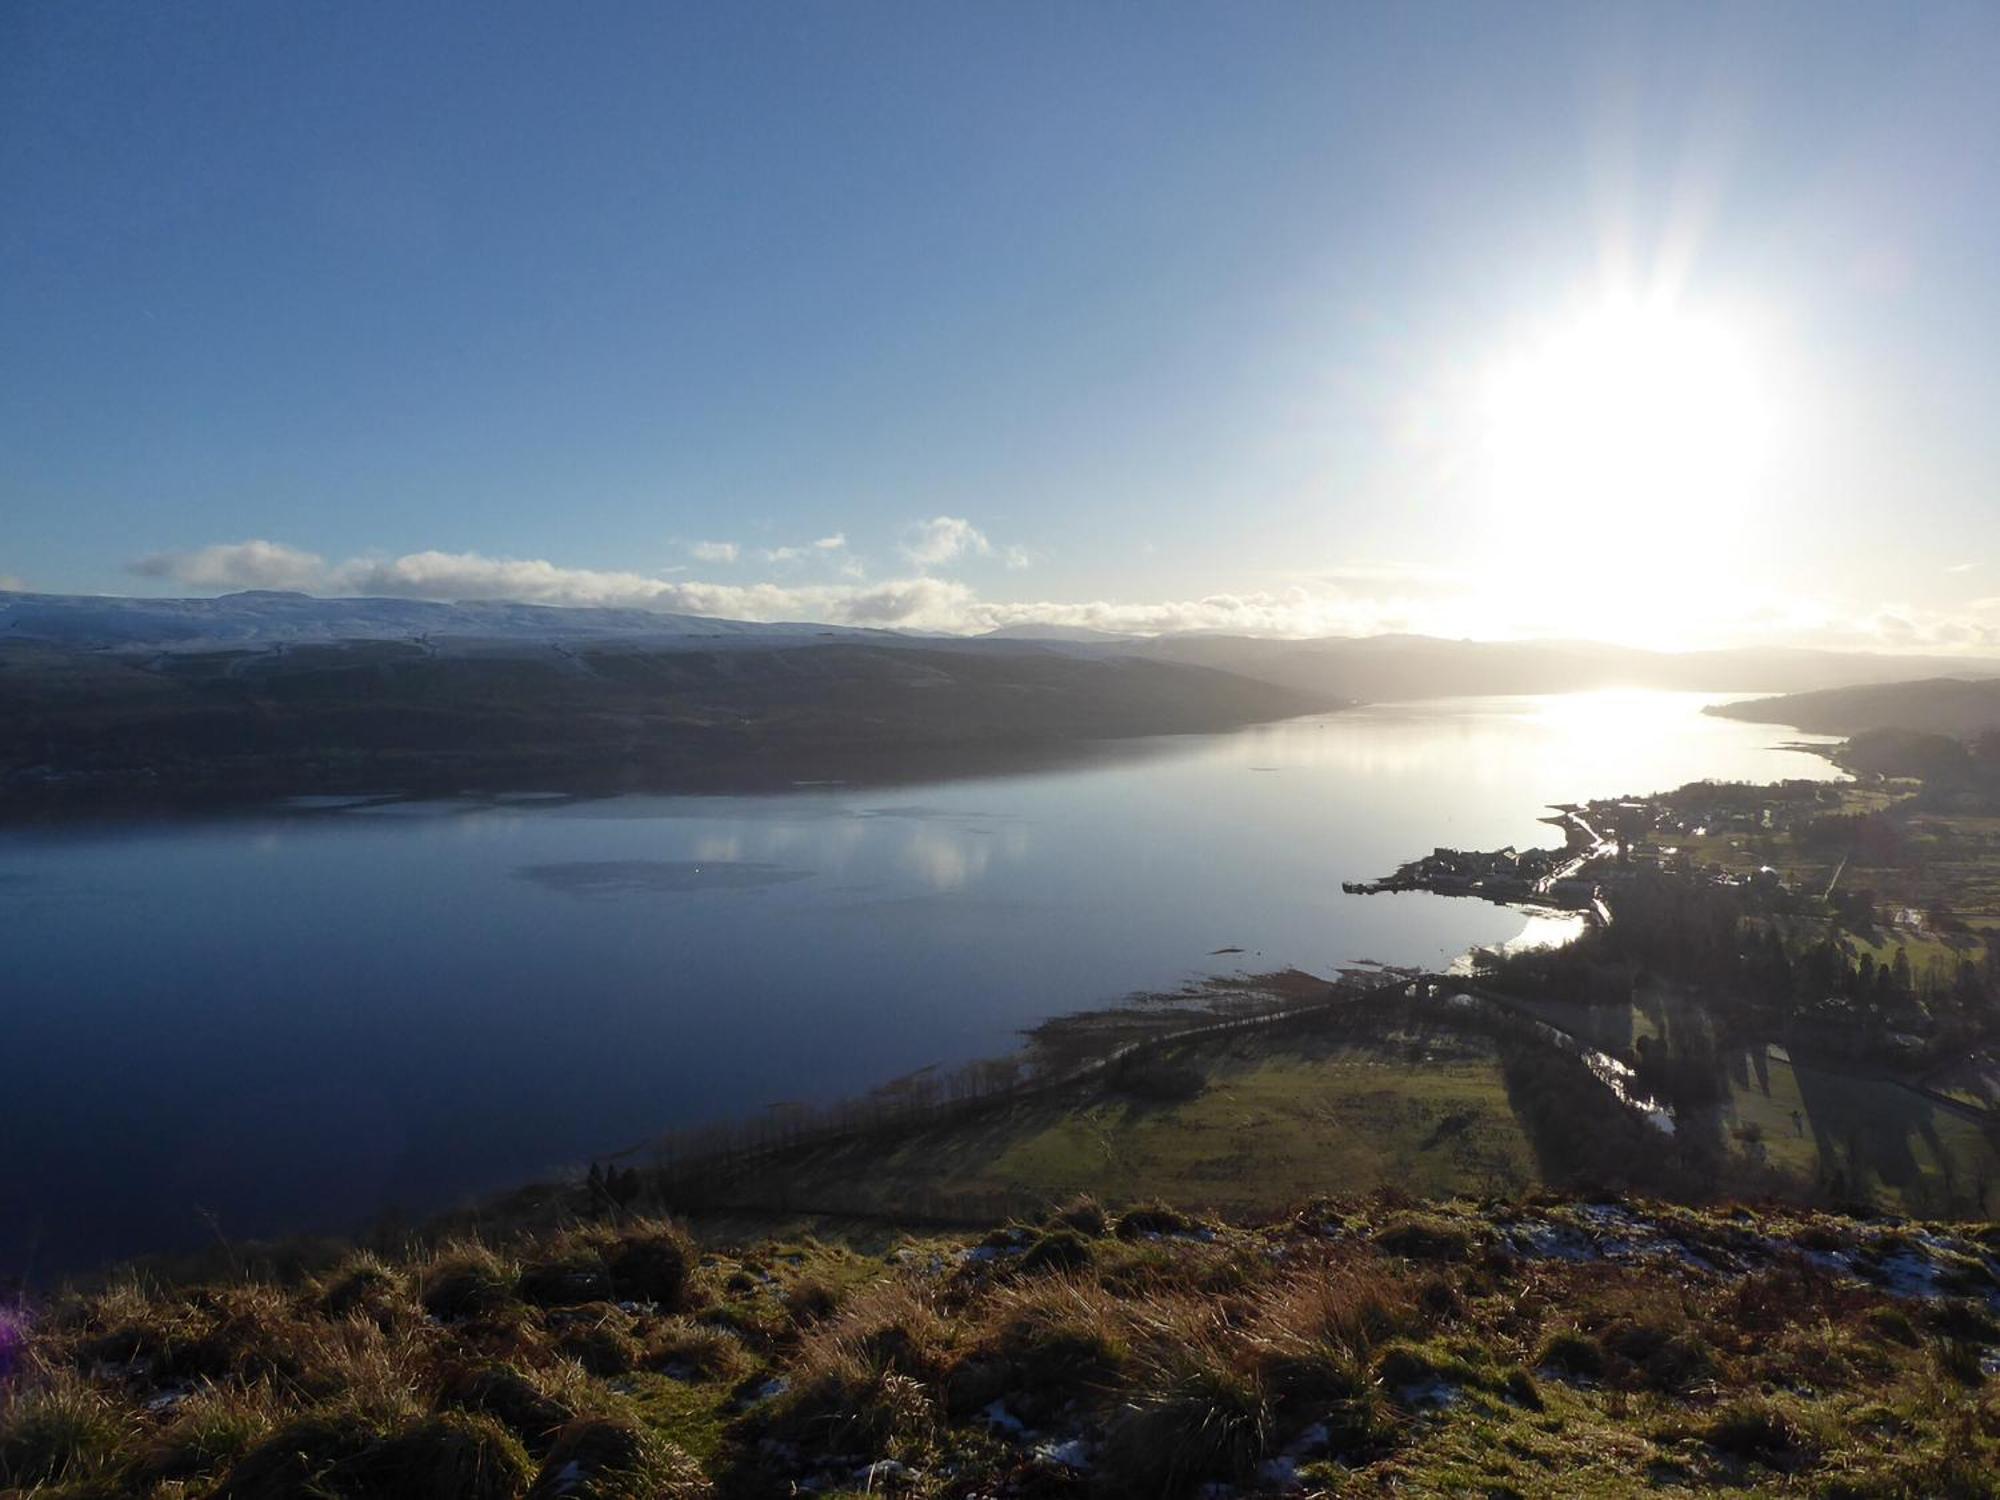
(263, 617)
(1082, 635)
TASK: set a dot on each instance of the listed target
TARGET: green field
(1883, 1141)
(1280, 1117)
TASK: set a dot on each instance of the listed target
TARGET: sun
(1626, 420)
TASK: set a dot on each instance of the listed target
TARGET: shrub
(59, 1431)
(1520, 1388)
(240, 1333)
(1084, 1214)
(459, 1454)
(1311, 1379)
(1153, 1218)
(1760, 1431)
(1893, 1325)
(704, 1350)
(1440, 1299)
(1962, 1318)
(1570, 1353)
(1354, 1310)
(1194, 1418)
(1058, 1250)
(844, 1405)
(1424, 1237)
(468, 1282)
(574, 1276)
(649, 1262)
(1959, 1360)
(811, 1299)
(601, 1348)
(1663, 1359)
(340, 1456)
(510, 1398)
(614, 1458)
(307, 1456)
(361, 1285)
(209, 1431)
(1408, 1371)
(1042, 1346)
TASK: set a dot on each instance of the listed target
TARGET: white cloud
(823, 546)
(1964, 567)
(237, 565)
(713, 551)
(944, 539)
(1309, 607)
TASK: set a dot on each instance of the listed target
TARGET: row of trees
(1735, 946)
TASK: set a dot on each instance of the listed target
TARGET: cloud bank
(920, 602)
(1358, 600)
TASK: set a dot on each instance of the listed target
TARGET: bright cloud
(720, 552)
(237, 565)
(823, 547)
(1378, 599)
(944, 539)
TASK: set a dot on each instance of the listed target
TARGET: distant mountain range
(267, 617)
(1380, 668)
(1390, 668)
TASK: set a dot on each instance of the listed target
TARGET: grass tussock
(1362, 1347)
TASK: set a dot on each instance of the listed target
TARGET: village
(1612, 840)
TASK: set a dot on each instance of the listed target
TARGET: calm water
(294, 1020)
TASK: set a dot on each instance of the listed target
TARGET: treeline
(1960, 774)
(1732, 943)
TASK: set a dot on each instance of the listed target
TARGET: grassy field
(1272, 1118)
(1883, 1142)
(1890, 1144)
(1951, 860)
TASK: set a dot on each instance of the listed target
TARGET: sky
(1671, 325)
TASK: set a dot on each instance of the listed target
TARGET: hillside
(388, 716)
(266, 617)
(1955, 706)
(1380, 668)
(1393, 668)
(1599, 1346)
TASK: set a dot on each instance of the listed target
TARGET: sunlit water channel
(298, 1018)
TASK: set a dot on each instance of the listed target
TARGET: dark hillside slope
(1940, 705)
(1397, 668)
(395, 716)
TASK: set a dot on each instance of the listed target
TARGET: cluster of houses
(1611, 841)
(1705, 808)
(1510, 874)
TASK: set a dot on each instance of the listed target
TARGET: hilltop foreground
(1554, 1346)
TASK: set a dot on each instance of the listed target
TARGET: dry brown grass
(1175, 1362)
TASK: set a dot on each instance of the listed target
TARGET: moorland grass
(1359, 1346)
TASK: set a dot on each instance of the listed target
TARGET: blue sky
(954, 316)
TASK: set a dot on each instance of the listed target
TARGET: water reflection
(441, 1023)
(592, 877)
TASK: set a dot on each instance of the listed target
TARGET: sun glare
(1625, 419)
